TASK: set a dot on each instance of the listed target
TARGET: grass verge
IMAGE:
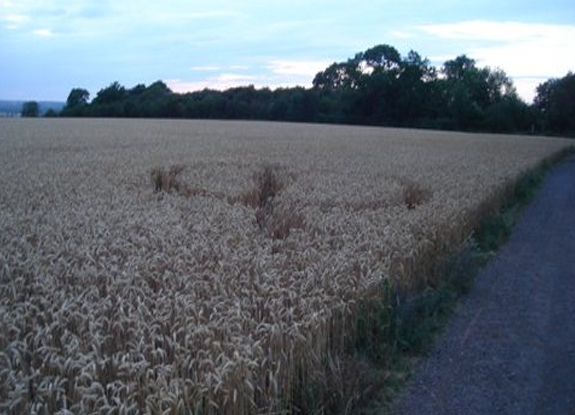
(401, 328)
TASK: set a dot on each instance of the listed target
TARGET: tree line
(375, 87)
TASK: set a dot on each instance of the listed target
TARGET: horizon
(47, 50)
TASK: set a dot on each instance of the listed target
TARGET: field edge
(411, 322)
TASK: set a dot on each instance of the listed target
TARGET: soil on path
(510, 348)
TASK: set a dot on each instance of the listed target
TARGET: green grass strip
(404, 325)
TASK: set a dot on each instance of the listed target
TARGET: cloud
(522, 49)
(107, 19)
(43, 32)
(303, 68)
(14, 21)
(204, 68)
(219, 82)
(486, 30)
(16, 18)
(233, 78)
(174, 16)
(528, 53)
(400, 34)
(272, 74)
(526, 87)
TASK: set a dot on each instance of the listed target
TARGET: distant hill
(11, 108)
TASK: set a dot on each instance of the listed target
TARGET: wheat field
(175, 267)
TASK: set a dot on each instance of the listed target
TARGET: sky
(48, 47)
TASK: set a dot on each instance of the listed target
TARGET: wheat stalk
(230, 286)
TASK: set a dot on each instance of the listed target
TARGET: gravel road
(510, 348)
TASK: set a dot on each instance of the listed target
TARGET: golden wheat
(118, 297)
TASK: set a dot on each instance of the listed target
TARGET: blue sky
(49, 47)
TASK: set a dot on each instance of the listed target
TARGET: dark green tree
(377, 86)
(459, 68)
(499, 85)
(338, 77)
(380, 69)
(30, 109)
(508, 115)
(77, 97)
(384, 58)
(76, 103)
(417, 68)
(555, 105)
(51, 113)
(111, 94)
(469, 93)
(415, 101)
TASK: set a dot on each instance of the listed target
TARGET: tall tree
(555, 105)
(383, 58)
(415, 100)
(469, 92)
(112, 93)
(77, 97)
(30, 109)
(377, 86)
(338, 77)
(458, 68)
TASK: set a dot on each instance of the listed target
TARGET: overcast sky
(48, 47)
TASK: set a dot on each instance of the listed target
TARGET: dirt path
(510, 349)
